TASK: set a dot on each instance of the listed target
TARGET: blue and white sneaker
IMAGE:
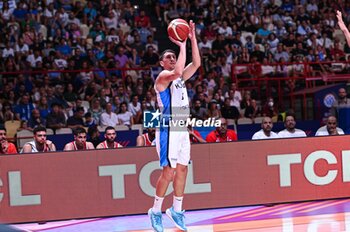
(177, 218)
(156, 220)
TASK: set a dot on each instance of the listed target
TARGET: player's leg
(175, 213)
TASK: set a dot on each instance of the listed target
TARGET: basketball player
(343, 27)
(110, 136)
(40, 143)
(146, 139)
(173, 145)
(79, 142)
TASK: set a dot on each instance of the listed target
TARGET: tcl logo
(15, 191)
(285, 163)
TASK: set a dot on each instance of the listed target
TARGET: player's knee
(181, 168)
(168, 175)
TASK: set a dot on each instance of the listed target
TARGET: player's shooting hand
(178, 43)
(192, 33)
(341, 23)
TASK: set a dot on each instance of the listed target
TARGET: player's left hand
(341, 23)
(192, 33)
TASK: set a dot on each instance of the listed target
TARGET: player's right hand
(178, 43)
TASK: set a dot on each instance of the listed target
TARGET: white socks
(177, 203)
(158, 201)
(157, 205)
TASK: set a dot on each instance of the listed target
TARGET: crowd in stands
(82, 63)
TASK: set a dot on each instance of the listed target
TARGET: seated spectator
(213, 111)
(265, 132)
(198, 112)
(125, 117)
(330, 128)
(110, 136)
(195, 136)
(228, 111)
(24, 109)
(76, 120)
(40, 143)
(221, 134)
(5, 146)
(135, 108)
(24, 126)
(342, 101)
(56, 119)
(252, 110)
(36, 119)
(89, 120)
(270, 109)
(290, 131)
(146, 139)
(79, 142)
(109, 118)
(96, 110)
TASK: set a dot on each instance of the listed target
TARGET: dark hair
(289, 114)
(165, 51)
(92, 129)
(109, 128)
(3, 128)
(38, 129)
(79, 130)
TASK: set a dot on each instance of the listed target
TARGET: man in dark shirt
(56, 119)
(228, 111)
(77, 119)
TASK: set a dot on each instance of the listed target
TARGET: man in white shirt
(109, 118)
(330, 128)
(291, 131)
(265, 132)
(135, 108)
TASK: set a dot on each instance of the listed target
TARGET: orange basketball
(178, 29)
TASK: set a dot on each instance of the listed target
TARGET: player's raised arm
(343, 27)
(196, 59)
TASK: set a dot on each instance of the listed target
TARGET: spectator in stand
(265, 132)
(146, 139)
(228, 111)
(96, 110)
(110, 136)
(5, 146)
(6, 114)
(125, 117)
(330, 128)
(290, 131)
(89, 121)
(40, 143)
(24, 109)
(221, 134)
(235, 96)
(76, 120)
(56, 118)
(109, 118)
(252, 110)
(36, 119)
(79, 142)
(135, 108)
(213, 111)
(150, 58)
(270, 109)
(198, 112)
